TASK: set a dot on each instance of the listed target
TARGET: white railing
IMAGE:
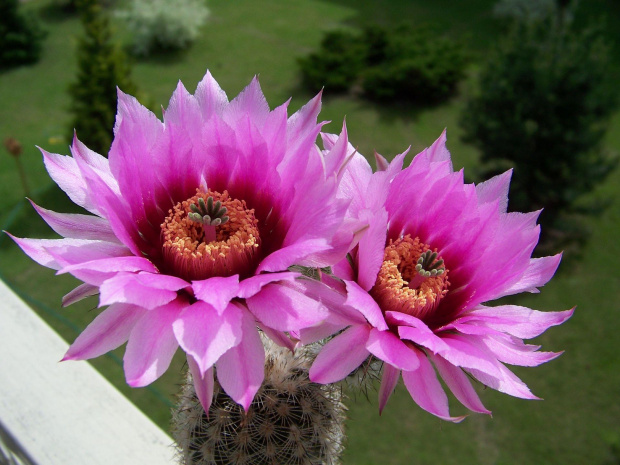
(64, 413)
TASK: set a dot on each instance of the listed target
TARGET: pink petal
(387, 347)
(514, 352)
(537, 274)
(464, 353)
(459, 385)
(354, 184)
(340, 356)
(79, 293)
(495, 190)
(284, 307)
(251, 102)
(206, 334)
(371, 247)
(217, 291)
(438, 152)
(65, 172)
(151, 345)
(110, 203)
(521, 322)
(279, 337)
(293, 254)
(108, 330)
(249, 287)
(77, 226)
(389, 380)
(426, 390)
(149, 290)
(240, 371)
(203, 384)
(211, 98)
(507, 382)
(360, 300)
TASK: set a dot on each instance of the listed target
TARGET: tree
(20, 36)
(102, 66)
(546, 97)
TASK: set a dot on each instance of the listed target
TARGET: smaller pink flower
(413, 291)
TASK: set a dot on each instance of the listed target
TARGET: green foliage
(415, 65)
(164, 25)
(403, 63)
(102, 66)
(21, 36)
(335, 66)
(546, 96)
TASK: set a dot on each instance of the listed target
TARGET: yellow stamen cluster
(190, 256)
(392, 290)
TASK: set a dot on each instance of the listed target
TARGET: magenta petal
(389, 380)
(211, 98)
(65, 172)
(151, 345)
(495, 190)
(149, 290)
(203, 384)
(426, 390)
(514, 352)
(240, 371)
(249, 287)
(279, 337)
(285, 307)
(360, 300)
(387, 347)
(294, 254)
(108, 331)
(77, 226)
(205, 334)
(371, 247)
(537, 274)
(464, 353)
(250, 101)
(79, 293)
(521, 322)
(217, 291)
(507, 382)
(340, 356)
(459, 384)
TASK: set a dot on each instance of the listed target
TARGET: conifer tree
(102, 67)
(546, 96)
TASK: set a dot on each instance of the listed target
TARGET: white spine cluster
(291, 420)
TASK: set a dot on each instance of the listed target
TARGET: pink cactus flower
(413, 291)
(195, 223)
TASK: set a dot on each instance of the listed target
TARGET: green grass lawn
(579, 418)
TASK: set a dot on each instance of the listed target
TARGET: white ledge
(65, 413)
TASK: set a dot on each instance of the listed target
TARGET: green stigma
(427, 266)
(208, 213)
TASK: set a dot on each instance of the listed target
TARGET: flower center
(210, 234)
(412, 278)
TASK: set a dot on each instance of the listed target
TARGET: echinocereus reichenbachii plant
(412, 293)
(195, 222)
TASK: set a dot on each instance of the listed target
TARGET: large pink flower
(412, 292)
(196, 221)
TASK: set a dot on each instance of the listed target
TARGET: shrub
(396, 64)
(417, 66)
(21, 36)
(164, 25)
(336, 65)
(102, 66)
(545, 102)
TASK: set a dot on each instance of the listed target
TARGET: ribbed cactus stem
(291, 420)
